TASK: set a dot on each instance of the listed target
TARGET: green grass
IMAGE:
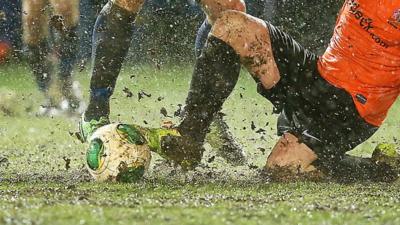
(36, 187)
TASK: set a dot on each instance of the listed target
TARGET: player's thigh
(68, 10)
(133, 6)
(34, 21)
(250, 38)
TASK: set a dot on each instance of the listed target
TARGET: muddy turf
(43, 179)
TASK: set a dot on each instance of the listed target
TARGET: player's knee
(215, 8)
(132, 6)
(231, 26)
(249, 37)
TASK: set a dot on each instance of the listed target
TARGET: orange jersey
(364, 56)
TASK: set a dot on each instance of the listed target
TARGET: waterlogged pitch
(43, 179)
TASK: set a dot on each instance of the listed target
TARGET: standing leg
(35, 37)
(111, 39)
(65, 20)
(112, 36)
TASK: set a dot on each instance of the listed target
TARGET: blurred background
(166, 29)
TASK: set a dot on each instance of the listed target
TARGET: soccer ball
(118, 152)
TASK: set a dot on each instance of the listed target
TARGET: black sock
(68, 48)
(111, 39)
(40, 65)
(215, 75)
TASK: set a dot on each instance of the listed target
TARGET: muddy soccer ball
(118, 152)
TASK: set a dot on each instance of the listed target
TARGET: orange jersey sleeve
(363, 56)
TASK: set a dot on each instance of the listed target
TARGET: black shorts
(321, 115)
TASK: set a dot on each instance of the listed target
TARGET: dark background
(166, 29)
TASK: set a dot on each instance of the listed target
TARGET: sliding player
(328, 105)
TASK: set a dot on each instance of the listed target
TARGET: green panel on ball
(131, 175)
(131, 133)
(94, 153)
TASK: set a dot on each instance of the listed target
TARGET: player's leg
(111, 40)
(219, 137)
(251, 40)
(217, 70)
(35, 37)
(65, 20)
(214, 77)
(219, 134)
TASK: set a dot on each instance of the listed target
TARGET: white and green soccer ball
(118, 152)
